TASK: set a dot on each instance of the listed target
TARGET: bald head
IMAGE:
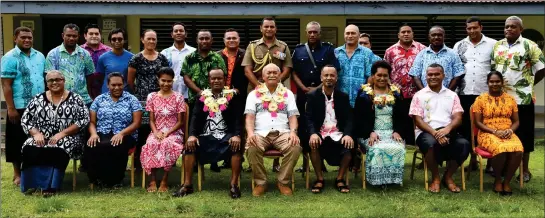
(351, 35)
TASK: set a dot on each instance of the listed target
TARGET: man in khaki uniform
(264, 51)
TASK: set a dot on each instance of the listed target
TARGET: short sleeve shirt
(196, 67)
(146, 74)
(279, 54)
(27, 73)
(264, 121)
(114, 116)
(176, 59)
(476, 60)
(402, 60)
(518, 63)
(436, 109)
(323, 54)
(109, 62)
(446, 57)
(75, 67)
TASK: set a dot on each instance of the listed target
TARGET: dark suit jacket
(232, 116)
(238, 78)
(364, 118)
(315, 111)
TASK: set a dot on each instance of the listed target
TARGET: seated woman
(378, 112)
(496, 116)
(54, 120)
(115, 118)
(165, 143)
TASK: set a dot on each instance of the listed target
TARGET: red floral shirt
(402, 61)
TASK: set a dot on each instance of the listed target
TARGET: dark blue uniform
(323, 55)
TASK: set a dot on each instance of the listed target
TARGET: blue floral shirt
(27, 74)
(113, 117)
(354, 70)
(446, 57)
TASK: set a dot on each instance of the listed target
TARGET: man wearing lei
(271, 123)
(214, 133)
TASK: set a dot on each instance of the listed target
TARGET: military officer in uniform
(308, 60)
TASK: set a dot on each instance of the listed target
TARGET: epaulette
(300, 44)
(282, 42)
(255, 41)
(328, 43)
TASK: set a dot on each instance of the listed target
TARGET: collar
(101, 47)
(19, 51)
(262, 41)
(519, 40)
(224, 52)
(318, 45)
(359, 47)
(427, 89)
(483, 39)
(198, 55)
(186, 47)
(413, 44)
(123, 96)
(444, 48)
(76, 50)
(325, 96)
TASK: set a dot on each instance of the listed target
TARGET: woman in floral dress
(378, 112)
(165, 143)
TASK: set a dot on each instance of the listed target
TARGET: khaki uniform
(278, 53)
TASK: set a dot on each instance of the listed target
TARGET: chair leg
(92, 186)
(132, 170)
(363, 182)
(143, 178)
(521, 182)
(74, 171)
(182, 173)
(425, 172)
(199, 176)
(239, 181)
(480, 172)
(293, 180)
(463, 178)
(414, 165)
(347, 178)
(253, 183)
(307, 172)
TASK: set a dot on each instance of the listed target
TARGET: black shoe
(234, 192)
(214, 167)
(276, 169)
(183, 191)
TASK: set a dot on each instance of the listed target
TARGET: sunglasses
(116, 39)
(57, 80)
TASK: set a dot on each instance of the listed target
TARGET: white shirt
(264, 122)
(329, 127)
(176, 59)
(436, 109)
(476, 60)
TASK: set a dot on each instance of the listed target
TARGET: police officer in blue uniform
(308, 60)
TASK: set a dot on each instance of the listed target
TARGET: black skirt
(15, 137)
(105, 163)
(212, 150)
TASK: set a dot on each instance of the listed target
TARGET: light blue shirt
(446, 57)
(113, 117)
(354, 70)
(109, 63)
(27, 74)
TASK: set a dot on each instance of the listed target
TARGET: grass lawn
(411, 200)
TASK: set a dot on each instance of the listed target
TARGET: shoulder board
(255, 41)
(301, 44)
(327, 43)
(282, 42)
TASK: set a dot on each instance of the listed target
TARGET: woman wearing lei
(214, 132)
(377, 127)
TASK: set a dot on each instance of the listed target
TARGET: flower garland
(213, 105)
(275, 102)
(384, 100)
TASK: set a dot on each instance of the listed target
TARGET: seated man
(437, 113)
(214, 133)
(271, 123)
(329, 123)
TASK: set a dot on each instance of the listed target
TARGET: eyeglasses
(116, 39)
(57, 80)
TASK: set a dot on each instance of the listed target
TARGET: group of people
(103, 103)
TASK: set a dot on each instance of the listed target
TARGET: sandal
(435, 187)
(317, 189)
(183, 191)
(450, 186)
(163, 187)
(152, 187)
(342, 187)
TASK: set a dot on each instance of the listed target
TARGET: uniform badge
(279, 55)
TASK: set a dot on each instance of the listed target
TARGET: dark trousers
(407, 122)
(106, 163)
(15, 137)
(466, 101)
(457, 149)
(526, 129)
(302, 132)
(143, 133)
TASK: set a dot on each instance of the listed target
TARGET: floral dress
(164, 153)
(386, 158)
(497, 112)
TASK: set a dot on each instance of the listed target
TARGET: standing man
(522, 64)
(233, 56)
(266, 50)
(176, 56)
(74, 62)
(355, 62)
(94, 46)
(474, 51)
(197, 65)
(116, 60)
(401, 57)
(22, 78)
(437, 53)
(365, 40)
(308, 61)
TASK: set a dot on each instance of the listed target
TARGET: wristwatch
(294, 130)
